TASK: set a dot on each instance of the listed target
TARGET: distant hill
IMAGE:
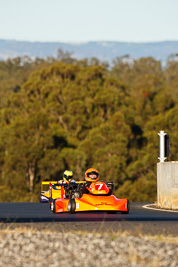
(101, 50)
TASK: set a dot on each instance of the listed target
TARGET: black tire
(53, 206)
(128, 208)
(110, 192)
(50, 203)
(71, 206)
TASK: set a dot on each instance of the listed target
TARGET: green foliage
(58, 114)
(139, 191)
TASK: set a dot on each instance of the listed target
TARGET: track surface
(138, 221)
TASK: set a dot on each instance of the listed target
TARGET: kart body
(99, 197)
(44, 193)
(51, 189)
(60, 190)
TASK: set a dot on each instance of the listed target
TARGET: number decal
(98, 186)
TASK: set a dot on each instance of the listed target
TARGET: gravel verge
(83, 249)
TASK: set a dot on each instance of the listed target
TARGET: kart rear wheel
(53, 206)
(110, 192)
(71, 206)
(128, 208)
(50, 203)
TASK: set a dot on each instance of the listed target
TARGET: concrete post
(167, 185)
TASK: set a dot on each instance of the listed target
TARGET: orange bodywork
(92, 203)
(98, 188)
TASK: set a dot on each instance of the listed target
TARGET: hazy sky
(89, 20)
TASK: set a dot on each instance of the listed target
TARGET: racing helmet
(91, 175)
(67, 176)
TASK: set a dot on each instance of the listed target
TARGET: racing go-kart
(44, 193)
(87, 196)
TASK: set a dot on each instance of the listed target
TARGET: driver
(91, 175)
(67, 177)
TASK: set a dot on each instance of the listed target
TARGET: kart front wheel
(50, 200)
(53, 206)
(71, 206)
(128, 208)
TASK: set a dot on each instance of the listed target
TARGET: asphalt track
(138, 221)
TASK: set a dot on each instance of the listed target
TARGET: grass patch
(11, 228)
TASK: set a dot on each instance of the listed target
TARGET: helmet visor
(93, 175)
(67, 177)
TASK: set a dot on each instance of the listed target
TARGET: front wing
(93, 203)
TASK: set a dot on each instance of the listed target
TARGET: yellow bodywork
(44, 195)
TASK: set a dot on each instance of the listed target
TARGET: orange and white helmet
(91, 175)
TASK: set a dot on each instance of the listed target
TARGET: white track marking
(151, 208)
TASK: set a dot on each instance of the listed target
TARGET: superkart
(44, 193)
(51, 188)
(84, 196)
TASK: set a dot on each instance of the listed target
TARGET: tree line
(62, 113)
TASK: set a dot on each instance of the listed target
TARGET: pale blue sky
(89, 20)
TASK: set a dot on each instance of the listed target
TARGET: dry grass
(162, 238)
(10, 228)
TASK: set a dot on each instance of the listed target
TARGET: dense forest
(62, 113)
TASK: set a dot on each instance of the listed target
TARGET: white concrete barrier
(167, 185)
